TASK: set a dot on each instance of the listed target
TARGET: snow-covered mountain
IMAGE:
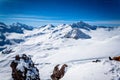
(62, 31)
(6, 30)
(76, 45)
(76, 33)
(83, 25)
(86, 26)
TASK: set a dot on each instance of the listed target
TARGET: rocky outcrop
(23, 68)
(116, 58)
(58, 73)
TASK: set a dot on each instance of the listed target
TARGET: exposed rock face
(7, 51)
(77, 34)
(58, 73)
(23, 68)
(116, 58)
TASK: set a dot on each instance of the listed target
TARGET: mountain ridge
(61, 31)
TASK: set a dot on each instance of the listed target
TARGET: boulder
(23, 68)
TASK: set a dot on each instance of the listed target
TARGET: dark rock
(23, 68)
(58, 73)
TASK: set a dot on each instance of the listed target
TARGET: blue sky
(40, 12)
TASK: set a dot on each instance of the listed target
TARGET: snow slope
(105, 70)
(48, 47)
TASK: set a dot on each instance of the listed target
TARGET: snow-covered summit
(19, 27)
(82, 25)
(77, 34)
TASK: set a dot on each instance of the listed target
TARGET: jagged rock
(23, 68)
(116, 58)
(58, 73)
(7, 51)
(97, 60)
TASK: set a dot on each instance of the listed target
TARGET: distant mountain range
(14, 28)
(62, 31)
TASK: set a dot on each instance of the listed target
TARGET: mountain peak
(50, 25)
(21, 26)
(76, 33)
(3, 24)
(82, 25)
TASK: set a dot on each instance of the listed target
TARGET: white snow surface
(48, 47)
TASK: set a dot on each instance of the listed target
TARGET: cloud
(35, 19)
(42, 20)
